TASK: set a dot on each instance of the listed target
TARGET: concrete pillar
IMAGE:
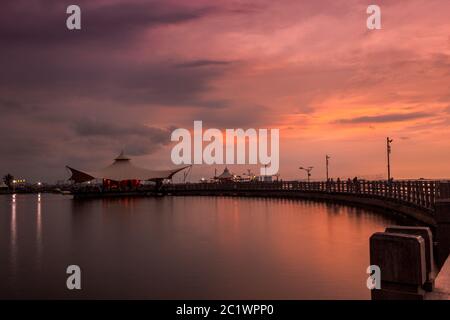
(442, 216)
(427, 235)
(401, 258)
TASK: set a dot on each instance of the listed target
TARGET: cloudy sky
(138, 69)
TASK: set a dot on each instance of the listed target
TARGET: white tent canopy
(122, 169)
(225, 174)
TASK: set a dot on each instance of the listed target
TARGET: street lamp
(388, 151)
(308, 171)
(327, 161)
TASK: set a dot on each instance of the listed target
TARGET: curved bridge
(415, 199)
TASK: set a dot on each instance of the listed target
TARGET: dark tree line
(8, 180)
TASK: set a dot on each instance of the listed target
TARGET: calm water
(184, 248)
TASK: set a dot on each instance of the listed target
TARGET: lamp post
(327, 161)
(308, 171)
(388, 151)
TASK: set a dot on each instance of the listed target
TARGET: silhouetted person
(356, 183)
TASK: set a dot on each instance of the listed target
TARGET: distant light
(39, 183)
(14, 181)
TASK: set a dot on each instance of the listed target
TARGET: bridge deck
(414, 198)
(419, 193)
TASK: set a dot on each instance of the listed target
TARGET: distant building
(3, 186)
(225, 176)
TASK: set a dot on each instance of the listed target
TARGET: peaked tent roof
(225, 174)
(122, 169)
(121, 156)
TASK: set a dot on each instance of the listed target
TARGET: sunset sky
(138, 69)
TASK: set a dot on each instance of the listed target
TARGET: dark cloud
(393, 117)
(151, 135)
(441, 62)
(45, 64)
(213, 104)
(54, 82)
(238, 116)
(43, 23)
(447, 109)
(52, 78)
(14, 106)
(202, 63)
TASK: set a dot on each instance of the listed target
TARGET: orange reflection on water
(13, 233)
(39, 230)
(298, 244)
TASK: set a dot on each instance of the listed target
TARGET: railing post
(423, 198)
(417, 193)
(408, 191)
(386, 188)
(426, 234)
(442, 215)
(402, 262)
(394, 189)
(402, 191)
(428, 194)
(433, 193)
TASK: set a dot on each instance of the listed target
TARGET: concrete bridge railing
(417, 199)
(421, 193)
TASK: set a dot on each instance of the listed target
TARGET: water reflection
(13, 235)
(190, 247)
(39, 232)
